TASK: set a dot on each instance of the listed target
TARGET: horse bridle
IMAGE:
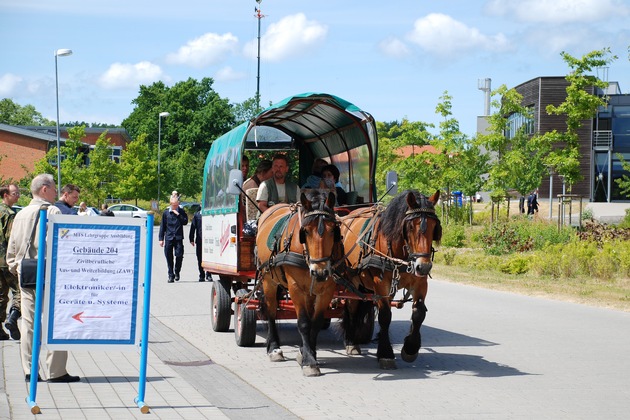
(322, 215)
(424, 212)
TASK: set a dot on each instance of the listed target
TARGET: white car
(128, 210)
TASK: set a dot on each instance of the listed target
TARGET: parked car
(128, 210)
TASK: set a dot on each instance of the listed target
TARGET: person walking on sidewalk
(25, 223)
(172, 237)
(195, 230)
(8, 282)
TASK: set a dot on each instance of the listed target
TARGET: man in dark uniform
(195, 230)
(172, 237)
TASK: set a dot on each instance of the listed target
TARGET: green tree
(245, 110)
(198, 115)
(578, 107)
(98, 182)
(185, 174)
(624, 181)
(392, 137)
(519, 162)
(137, 171)
(15, 114)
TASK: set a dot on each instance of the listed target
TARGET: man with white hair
(25, 224)
(172, 237)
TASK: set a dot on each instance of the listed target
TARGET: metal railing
(602, 139)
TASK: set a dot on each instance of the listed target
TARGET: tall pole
(59, 53)
(259, 16)
(162, 114)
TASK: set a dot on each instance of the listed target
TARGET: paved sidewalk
(182, 383)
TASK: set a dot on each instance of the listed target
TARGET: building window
(518, 122)
(116, 151)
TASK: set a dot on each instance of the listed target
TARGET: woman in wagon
(330, 175)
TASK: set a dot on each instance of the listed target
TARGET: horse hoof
(353, 350)
(276, 356)
(310, 371)
(387, 364)
(408, 357)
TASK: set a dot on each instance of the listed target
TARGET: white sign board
(94, 272)
(219, 242)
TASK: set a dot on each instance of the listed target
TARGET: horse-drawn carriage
(306, 262)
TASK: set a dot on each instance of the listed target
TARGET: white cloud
(574, 39)
(442, 35)
(291, 36)
(9, 84)
(206, 50)
(121, 75)
(558, 11)
(228, 74)
(394, 47)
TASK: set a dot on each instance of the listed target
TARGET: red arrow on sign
(79, 317)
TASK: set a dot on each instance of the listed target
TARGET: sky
(393, 59)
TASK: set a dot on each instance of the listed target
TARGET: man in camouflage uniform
(10, 195)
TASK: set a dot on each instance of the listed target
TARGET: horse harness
(281, 253)
(370, 257)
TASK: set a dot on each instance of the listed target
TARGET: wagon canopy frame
(318, 125)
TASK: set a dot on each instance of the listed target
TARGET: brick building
(22, 146)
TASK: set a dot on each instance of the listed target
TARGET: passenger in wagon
(278, 189)
(263, 173)
(330, 175)
(315, 179)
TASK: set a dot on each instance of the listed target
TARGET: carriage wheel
(365, 331)
(244, 323)
(221, 304)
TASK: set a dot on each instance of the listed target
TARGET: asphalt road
(485, 355)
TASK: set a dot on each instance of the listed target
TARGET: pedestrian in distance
(8, 282)
(105, 211)
(532, 204)
(83, 210)
(171, 237)
(68, 198)
(196, 240)
(26, 223)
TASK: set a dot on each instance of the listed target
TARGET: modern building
(22, 146)
(601, 139)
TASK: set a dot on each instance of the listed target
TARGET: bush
(449, 256)
(625, 223)
(520, 235)
(515, 265)
(454, 236)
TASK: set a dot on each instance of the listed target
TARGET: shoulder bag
(28, 266)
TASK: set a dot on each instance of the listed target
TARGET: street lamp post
(162, 114)
(59, 53)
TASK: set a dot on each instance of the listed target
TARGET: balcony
(602, 140)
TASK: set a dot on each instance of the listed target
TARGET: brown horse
(386, 250)
(295, 245)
